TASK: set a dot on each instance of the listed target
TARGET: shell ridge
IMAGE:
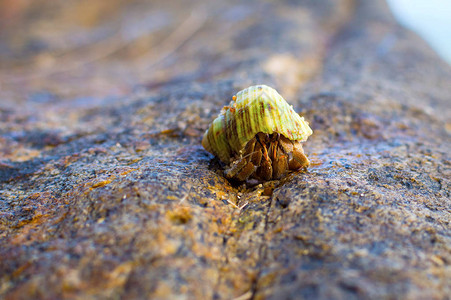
(249, 120)
(217, 136)
(242, 118)
(263, 112)
(275, 107)
(278, 111)
(289, 117)
(226, 133)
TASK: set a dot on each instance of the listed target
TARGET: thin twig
(245, 296)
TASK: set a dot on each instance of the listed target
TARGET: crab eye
(259, 116)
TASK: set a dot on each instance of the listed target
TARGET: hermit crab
(258, 136)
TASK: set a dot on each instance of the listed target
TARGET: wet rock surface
(105, 190)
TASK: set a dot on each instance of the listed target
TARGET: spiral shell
(256, 109)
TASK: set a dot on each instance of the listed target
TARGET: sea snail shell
(258, 135)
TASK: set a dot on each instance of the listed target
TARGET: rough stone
(106, 192)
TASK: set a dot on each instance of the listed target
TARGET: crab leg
(299, 159)
(246, 172)
(279, 165)
(265, 169)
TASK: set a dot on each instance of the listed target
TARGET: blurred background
(431, 19)
(73, 48)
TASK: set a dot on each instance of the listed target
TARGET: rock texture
(106, 192)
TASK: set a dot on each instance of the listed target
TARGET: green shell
(256, 109)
